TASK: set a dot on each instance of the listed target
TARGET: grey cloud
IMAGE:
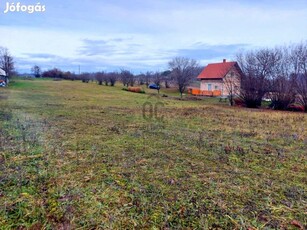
(201, 51)
(95, 47)
(41, 55)
(143, 61)
(105, 47)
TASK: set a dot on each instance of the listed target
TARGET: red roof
(217, 70)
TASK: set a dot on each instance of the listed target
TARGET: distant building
(2, 72)
(3, 77)
(220, 79)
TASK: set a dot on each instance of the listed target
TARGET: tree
(301, 89)
(157, 79)
(281, 84)
(232, 85)
(282, 93)
(86, 77)
(140, 78)
(298, 60)
(69, 76)
(36, 70)
(166, 75)
(183, 71)
(127, 78)
(148, 78)
(53, 73)
(99, 76)
(6, 61)
(106, 80)
(112, 77)
(258, 69)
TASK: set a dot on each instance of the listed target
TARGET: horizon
(144, 36)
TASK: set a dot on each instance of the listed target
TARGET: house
(220, 79)
(3, 78)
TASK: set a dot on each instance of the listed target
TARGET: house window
(216, 87)
(209, 87)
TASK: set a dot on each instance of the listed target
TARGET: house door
(209, 87)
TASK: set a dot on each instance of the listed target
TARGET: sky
(144, 35)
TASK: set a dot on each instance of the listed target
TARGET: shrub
(238, 101)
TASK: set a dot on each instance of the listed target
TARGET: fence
(208, 93)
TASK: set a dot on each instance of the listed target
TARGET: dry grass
(76, 155)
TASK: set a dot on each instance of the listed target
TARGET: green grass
(82, 156)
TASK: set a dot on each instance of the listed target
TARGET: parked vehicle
(2, 84)
(154, 86)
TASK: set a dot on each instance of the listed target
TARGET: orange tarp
(134, 89)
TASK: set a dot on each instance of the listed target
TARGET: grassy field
(83, 156)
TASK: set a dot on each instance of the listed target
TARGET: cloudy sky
(142, 35)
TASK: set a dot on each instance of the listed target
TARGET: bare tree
(140, 78)
(301, 87)
(148, 78)
(157, 78)
(6, 61)
(99, 76)
(106, 79)
(282, 93)
(86, 77)
(167, 78)
(232, 85)
(53, 73)
(280, 73)
(69, 76)
(183, 71)
(298, 60)
(258, 69)
(127, 78)
(36, 70)
(112, 77)
(281, 83)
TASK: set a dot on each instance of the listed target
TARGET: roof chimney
(224, 60)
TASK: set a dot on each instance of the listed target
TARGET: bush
(238, 101)
(281, 104)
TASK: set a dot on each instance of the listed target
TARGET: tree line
(182, 71)
(279, 74)
(126, 77)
